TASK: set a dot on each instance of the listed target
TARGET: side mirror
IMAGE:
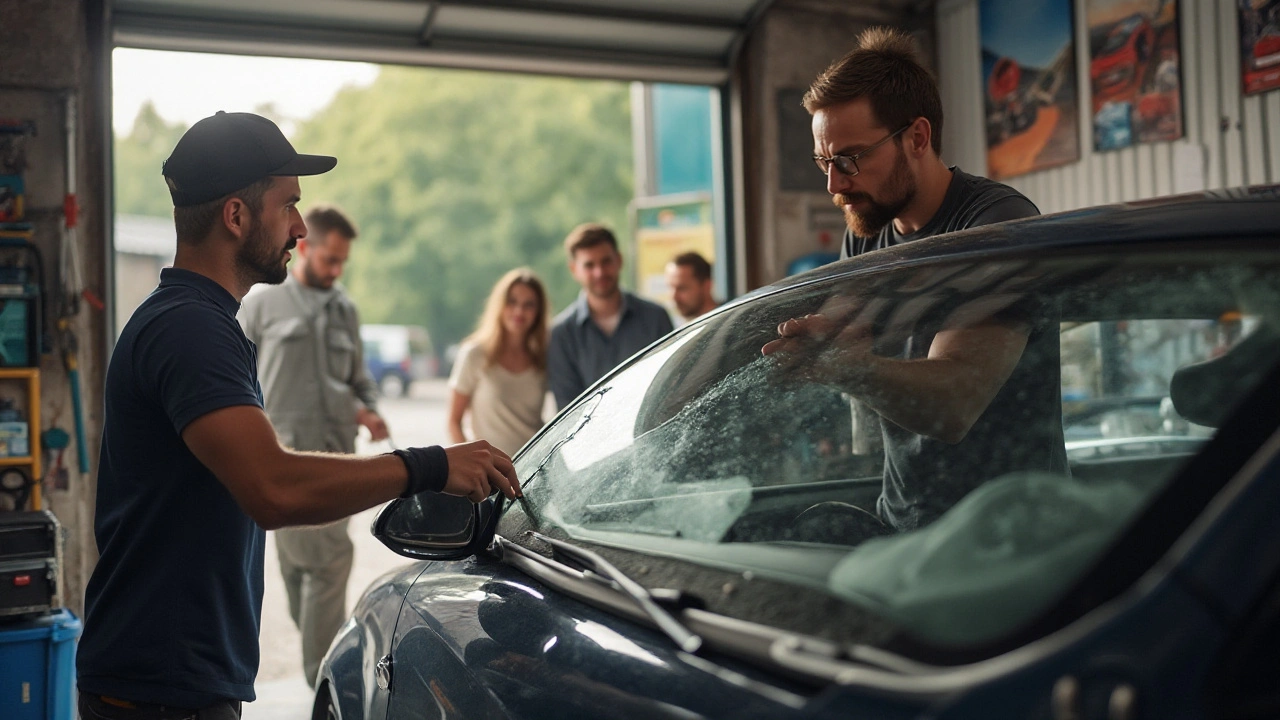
(434, 526)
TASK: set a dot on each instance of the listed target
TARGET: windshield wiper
(595, 567)
(574, 571)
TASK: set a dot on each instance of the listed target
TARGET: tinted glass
(1099, 377)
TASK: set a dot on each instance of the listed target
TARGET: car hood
(499, 644)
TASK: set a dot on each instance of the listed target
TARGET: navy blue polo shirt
(173, 607)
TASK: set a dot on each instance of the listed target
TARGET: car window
(1116, 377)
(1106, 374)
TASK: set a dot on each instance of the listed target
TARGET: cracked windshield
(814, 421)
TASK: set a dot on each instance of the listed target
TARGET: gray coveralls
(311, 365)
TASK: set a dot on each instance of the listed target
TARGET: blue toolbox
(38, 667)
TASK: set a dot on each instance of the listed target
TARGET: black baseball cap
(229, 151)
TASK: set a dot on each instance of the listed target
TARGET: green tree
(139, 155)
(455, 177)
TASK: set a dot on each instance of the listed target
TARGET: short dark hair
(588, 235)
(696, 263)
(324, 219)
(193, 223)
(884, 69)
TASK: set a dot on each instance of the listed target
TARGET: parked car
(396, 355)
(1120, 65)
(1009, 111)
(661, 563)
(1262, 36)
(1266, 51)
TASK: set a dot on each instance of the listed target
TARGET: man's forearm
(278, 487)
(940, 396)
(307, 488)
(937, 398)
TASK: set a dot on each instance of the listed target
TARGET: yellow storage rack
(31, 376)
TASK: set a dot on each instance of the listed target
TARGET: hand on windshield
(820, 348)
(813, 328)
(826, 346)
(478, 469)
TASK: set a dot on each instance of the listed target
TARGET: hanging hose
(71, 285)
(69, 347)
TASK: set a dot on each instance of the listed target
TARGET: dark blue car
(699, 535)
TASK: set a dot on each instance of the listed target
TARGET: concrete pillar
(53, 52)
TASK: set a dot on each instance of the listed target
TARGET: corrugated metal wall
(1230, 140)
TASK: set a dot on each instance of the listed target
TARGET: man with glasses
(877, 136)
(948, 394)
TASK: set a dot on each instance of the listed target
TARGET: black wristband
(428, 469)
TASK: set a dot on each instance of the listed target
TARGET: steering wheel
(836, 523)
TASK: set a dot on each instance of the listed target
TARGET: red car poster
(1260, 45)
(1135, 74)
(1029, 85)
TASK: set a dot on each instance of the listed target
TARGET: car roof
(1236, 213)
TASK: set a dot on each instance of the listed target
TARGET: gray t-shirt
(970, 202)
(1021, 429)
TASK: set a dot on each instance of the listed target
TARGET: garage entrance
(453, 175)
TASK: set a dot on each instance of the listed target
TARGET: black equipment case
(29, 554)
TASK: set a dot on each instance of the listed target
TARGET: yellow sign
(664, 228)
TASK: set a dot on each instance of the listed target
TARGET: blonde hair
(490, 335)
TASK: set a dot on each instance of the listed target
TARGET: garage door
(689, 41)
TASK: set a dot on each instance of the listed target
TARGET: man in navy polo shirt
(191, 471)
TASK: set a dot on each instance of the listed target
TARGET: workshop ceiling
(689, 41)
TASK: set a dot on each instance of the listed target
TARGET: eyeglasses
(848, 164)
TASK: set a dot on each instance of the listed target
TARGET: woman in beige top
(500, 376)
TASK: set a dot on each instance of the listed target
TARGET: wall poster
(663, 227)
(1029, 85)
(1134, 71)
(1260, 45)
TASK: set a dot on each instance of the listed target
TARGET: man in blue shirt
(191, 471)
(605, 325)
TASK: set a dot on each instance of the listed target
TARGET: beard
(688, 310)
(259, 260)
(313, 279)
(604, 290)
(898, 192)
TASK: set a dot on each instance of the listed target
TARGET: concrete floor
(283, 694)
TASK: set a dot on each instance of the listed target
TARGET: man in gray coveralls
(318, 393)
